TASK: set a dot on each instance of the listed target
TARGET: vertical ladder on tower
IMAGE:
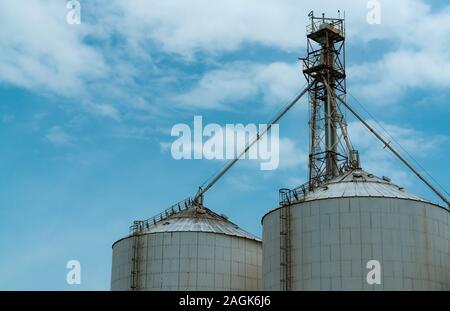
(135, 261)
(285, 248)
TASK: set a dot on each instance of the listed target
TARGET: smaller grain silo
(187, 248)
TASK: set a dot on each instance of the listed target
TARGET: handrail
(139, 225)
(289, 196)
(316, 22)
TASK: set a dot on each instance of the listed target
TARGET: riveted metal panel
(189, 261)
(333, 239)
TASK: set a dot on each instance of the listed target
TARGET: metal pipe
(340, 121)
(258, 136)
(398, 155)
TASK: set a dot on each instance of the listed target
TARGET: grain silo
(327, 233)
(187, 247)
(336, 229)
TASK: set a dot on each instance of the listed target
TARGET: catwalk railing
(139, 225)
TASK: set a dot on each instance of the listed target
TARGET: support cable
(258, 136)
(398, 155)
(399, 145)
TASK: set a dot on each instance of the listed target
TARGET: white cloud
(185, 27)
(218, 88)
(386, 80)
(40, 51)
(104, 110)
(44, 54)
(57, 136)
(234, 83)
(215, 26)
(291, 155)
(419, 60)
(415, 54)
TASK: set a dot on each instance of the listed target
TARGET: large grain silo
(335, 230)
(187, 248)
(330, 232)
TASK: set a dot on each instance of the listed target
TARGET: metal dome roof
(359, 183)
(354, 183)
(196, 219)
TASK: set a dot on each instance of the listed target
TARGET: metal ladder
(135, 261)
(285, 248)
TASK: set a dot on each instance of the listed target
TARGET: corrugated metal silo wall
(189, 261)
(332, 240)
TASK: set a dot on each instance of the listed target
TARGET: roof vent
(357, 174)
(200, 210)
(386, 179)
(224, 216)
(370, 175)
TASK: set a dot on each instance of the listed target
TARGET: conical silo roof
(359, 183)
(198, 219)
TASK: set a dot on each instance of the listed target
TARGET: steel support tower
(330, 151)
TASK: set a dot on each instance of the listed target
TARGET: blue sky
(86, 112)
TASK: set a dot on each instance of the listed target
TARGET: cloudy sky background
(86, 112)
